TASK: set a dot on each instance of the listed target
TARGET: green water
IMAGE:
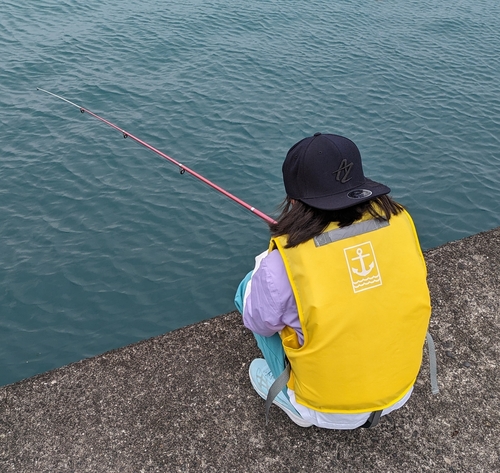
(103, 243)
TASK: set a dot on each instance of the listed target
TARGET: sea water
(103, 243)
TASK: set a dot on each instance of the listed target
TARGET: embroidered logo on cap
(346, 167)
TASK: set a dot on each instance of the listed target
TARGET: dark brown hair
(301, 222)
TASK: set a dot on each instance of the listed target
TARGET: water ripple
(104, 243)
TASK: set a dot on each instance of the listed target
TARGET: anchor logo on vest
(363, 268)
(361, 258)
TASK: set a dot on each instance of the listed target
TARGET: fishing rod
(183, 169)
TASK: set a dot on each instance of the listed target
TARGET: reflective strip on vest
(364, 308)
(338, 234)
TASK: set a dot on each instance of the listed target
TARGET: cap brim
(368, 191)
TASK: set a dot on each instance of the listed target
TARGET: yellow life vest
(364, 308)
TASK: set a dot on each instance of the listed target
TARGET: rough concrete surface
(182, 402)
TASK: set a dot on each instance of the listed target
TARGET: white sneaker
(262, 379)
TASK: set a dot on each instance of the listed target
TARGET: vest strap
(372, 420)
(276, 387)
(431, 349)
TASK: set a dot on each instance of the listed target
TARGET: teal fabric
(271, 347)
(240, 292)
(272, 350)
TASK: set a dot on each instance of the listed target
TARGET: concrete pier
(182, 402)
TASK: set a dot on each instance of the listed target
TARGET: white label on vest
(363, 268)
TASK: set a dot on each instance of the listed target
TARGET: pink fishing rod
(182, 168)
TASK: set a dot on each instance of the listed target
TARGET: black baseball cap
(325, 172)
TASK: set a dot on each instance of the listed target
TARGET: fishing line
(183, 169)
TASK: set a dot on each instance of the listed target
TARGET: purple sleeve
(271, 305)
